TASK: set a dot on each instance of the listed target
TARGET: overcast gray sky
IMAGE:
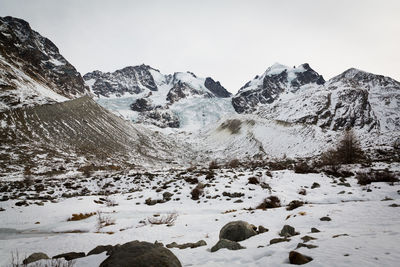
(231, 41)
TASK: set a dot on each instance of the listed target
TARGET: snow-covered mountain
(32, 70)
(143, 94)
(353, 99)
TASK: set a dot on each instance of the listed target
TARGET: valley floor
(364, 229)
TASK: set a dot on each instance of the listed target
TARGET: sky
(228, 40)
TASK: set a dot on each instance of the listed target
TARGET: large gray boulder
(141, 254)
(237, 231)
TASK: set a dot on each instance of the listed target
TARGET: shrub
(270, 202)
(103, 221)
(168, 219)
(197, 191)
(376, 176)
(213, 165)
(234, 163)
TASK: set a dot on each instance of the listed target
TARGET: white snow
(371, 226)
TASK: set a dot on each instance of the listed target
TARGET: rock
(101, 249)
(70, 255)
(216, 88)
(326, 219)
(298, 258)
(294, 204)
(237, 231)
(141, 254)
(278, 240)
(315, 185)
(262, 229)
(288, 231)
(224, 243)
(187, 245)
(307, 238)
(167, 195)
(315, 230)
(35, 257)
(302, 245)
(394, 205)
(150, 201)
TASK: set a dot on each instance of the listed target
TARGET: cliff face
(32, 69)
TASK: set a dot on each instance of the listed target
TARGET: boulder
(262, 229)
(224, 243)
(315, 230)
(298, 258)
(237, 231)
(141, 254)
(35, 257)
(288, 231)
(278, 240)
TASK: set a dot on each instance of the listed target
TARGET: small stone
(298, 258)
(315, 230)
(278, 240)
(262, 229)
(307, 238)
(326, 219)
(315, 185)
(288, 231)
(224, 243)
(309, 246)
(70, 255)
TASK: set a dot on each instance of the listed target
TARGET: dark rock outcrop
(216, 88)
(298, 258)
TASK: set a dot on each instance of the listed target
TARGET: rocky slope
(76, 133)
(152, 94)
(32, 70)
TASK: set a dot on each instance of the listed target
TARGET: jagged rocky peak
(278, 78)
(355, 77)
(129, 80)
(33, 70)
(216, 88)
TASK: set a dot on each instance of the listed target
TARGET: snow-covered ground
(368, 227)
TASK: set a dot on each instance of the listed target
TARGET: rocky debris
(216, 88)
(237, 231)
(302, 245)
(294, 204)
(70, 255)
(315, 230)
(270, 202)
(335, 236)
(101, 249)
(262, 229)
(288, 231)
(35, 257)
(27, 53)
(167, 196)
(278, 240)
(394, 205)
(141, 254)
(131, 80)
(187, 245)
(325, 219)
(225, 243)
(159, 116)
(298, 258)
